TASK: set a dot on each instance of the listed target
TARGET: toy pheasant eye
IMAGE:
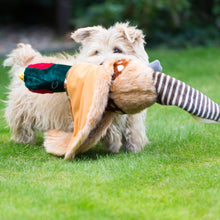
(118, 67)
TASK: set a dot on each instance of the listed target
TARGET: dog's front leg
(135, 132)
(113, 137)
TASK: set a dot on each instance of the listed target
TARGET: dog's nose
(101, 63)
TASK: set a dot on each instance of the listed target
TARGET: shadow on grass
(94, 154)
(176, 149)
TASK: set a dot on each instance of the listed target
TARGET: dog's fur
(28, 113)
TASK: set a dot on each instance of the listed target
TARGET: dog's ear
(83, 34)
(132, 34)
(136, 39)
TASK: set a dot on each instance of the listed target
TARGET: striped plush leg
(171, 91)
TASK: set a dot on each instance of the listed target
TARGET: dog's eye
(96, 52)
(116, 50)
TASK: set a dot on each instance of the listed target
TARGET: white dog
(28, 113)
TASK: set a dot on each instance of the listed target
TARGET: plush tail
(171, 91)
(21, 56)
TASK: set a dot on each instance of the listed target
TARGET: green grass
(177, 176)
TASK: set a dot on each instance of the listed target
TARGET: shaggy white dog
(28, 113)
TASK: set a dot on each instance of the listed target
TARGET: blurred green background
(174, 23)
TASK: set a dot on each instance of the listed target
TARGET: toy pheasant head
(96, 93)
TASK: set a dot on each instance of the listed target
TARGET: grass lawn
(177, 176)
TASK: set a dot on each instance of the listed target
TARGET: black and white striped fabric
(171, 91)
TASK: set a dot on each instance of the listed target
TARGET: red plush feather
(40, 65)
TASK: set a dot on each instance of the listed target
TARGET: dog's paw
(136, 144)
(113, 148)
(132, 147)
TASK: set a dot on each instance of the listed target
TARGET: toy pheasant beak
(21, 76)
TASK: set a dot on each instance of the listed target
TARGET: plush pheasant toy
(96, 93)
